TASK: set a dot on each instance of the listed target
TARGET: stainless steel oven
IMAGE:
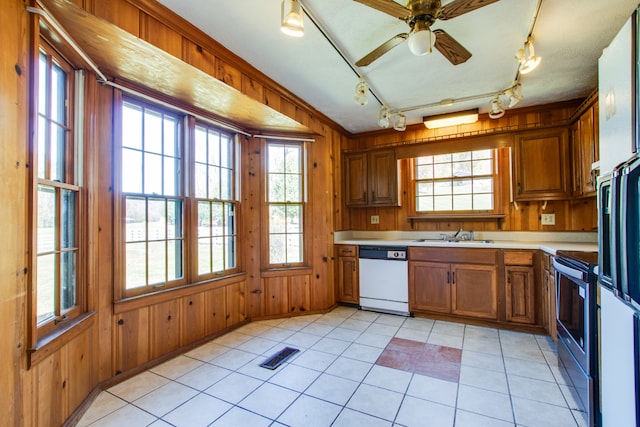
(576, 281)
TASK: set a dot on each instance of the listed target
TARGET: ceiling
(569, 35)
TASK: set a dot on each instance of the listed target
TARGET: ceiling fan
(420, 15)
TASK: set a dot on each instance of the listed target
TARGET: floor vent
(280, 357)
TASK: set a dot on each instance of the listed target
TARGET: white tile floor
(506, 379)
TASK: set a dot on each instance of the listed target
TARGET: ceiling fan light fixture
(383, 117)
(400, 122)
(528, 58)
(497, 110)
(421, 39)
(291, 18)
(451, 119)
(361, 97)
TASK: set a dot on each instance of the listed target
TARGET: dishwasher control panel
(383, 252)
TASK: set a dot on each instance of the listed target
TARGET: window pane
(132, 126)
(217, 219)
(226, 190)
(442, 158)
(131, 171)
(462, 169)
(425, 160)
(57, 153)
(294, 219)
(58, 95)
(442, 170)
(217, 249)
(482, 185)
(277, 249)
(230, 218)
(174, 219)
(425, 188)
(276, 158)
(462, 186)
(461, 157)
(482, 154)
(42, 84)
(294, 248)
(292, 159)
(68, 279)
(277, 223)
(157, 262)
(204, 255)
(277, 188)
(170, 137)
(175, 260)
(226, 150)
(293, 188)
(482, 167)
(68, 211)
(46, 287)
(230, 258)
(136, 219)
(204, 219)
(152, 131)
(214, 148)
(157, 219)
(442, 187)
(425, 172)
(152, 174)
(201, 180)
(171, 174)
(425, 204)
(46, 233)
(136, 267)
(442, 203)
(483, 201)
(462, 202)
(42, 147)
(214, 182)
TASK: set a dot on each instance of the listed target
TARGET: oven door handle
(568, 271)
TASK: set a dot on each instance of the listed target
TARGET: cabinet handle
(364, 195)
(453, 277)
(448, 277)
(373, 196)
(519, 189)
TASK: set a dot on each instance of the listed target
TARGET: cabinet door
(165, 328)
(193, 318)
(348, 290)
(235, 303)
(132, 339)
(215, 310)
(276, 295)
(588, 149)
(474, 290)
(355, 179)
(541, 165)
(429, 287)
(383, 178)
(299, 294)
(520, 294)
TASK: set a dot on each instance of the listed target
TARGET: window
(56, 292)
(214, 190)
(285, 201)
(178, 199)
(153, 197)
(455, 182)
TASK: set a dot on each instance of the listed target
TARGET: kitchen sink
(481, 242)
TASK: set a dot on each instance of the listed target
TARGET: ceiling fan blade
(460, 7)
(389, 7)
(382, 49)
(450, 48)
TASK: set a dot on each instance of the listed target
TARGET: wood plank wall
(125, 338)
(571, 215)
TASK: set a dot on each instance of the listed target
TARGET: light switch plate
(375, 219)
(548, 219)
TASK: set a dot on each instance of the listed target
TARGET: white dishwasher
(384, 279)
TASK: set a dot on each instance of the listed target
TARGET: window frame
(497, 157)
(303, 203)
(70, 181)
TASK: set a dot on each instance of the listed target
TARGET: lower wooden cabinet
(468, 287)
(286, 294)
(520, 295)
(347, 276)
(549, 297)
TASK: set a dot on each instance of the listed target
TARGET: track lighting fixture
(361, 96)
(383, 117)
(527, 57)
(291, 18)
(514, 95)
(497, 110)
(400, 122)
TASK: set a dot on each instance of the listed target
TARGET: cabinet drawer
(518, 258)
(451, 255)
(347, 250)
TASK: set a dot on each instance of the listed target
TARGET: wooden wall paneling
(228, 74)
(236, 303)
(251, 206)
(276, 295)
(132, 341)
(119, 12)
(287, 107)
(51, 398)
(252, 88)
(199, 57)
(584, 214)
(15, 402)
(80, 378)
(192, 318)
(299, 293)
(272, 99)
(215, 311)
(164, 326)
(160, 35)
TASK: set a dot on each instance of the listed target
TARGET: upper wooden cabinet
(585, 151)
(371, 178)
(541, 165)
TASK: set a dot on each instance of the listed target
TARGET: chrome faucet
(457, 233)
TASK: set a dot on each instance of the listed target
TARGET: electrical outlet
(548, 219)
(375, 219)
